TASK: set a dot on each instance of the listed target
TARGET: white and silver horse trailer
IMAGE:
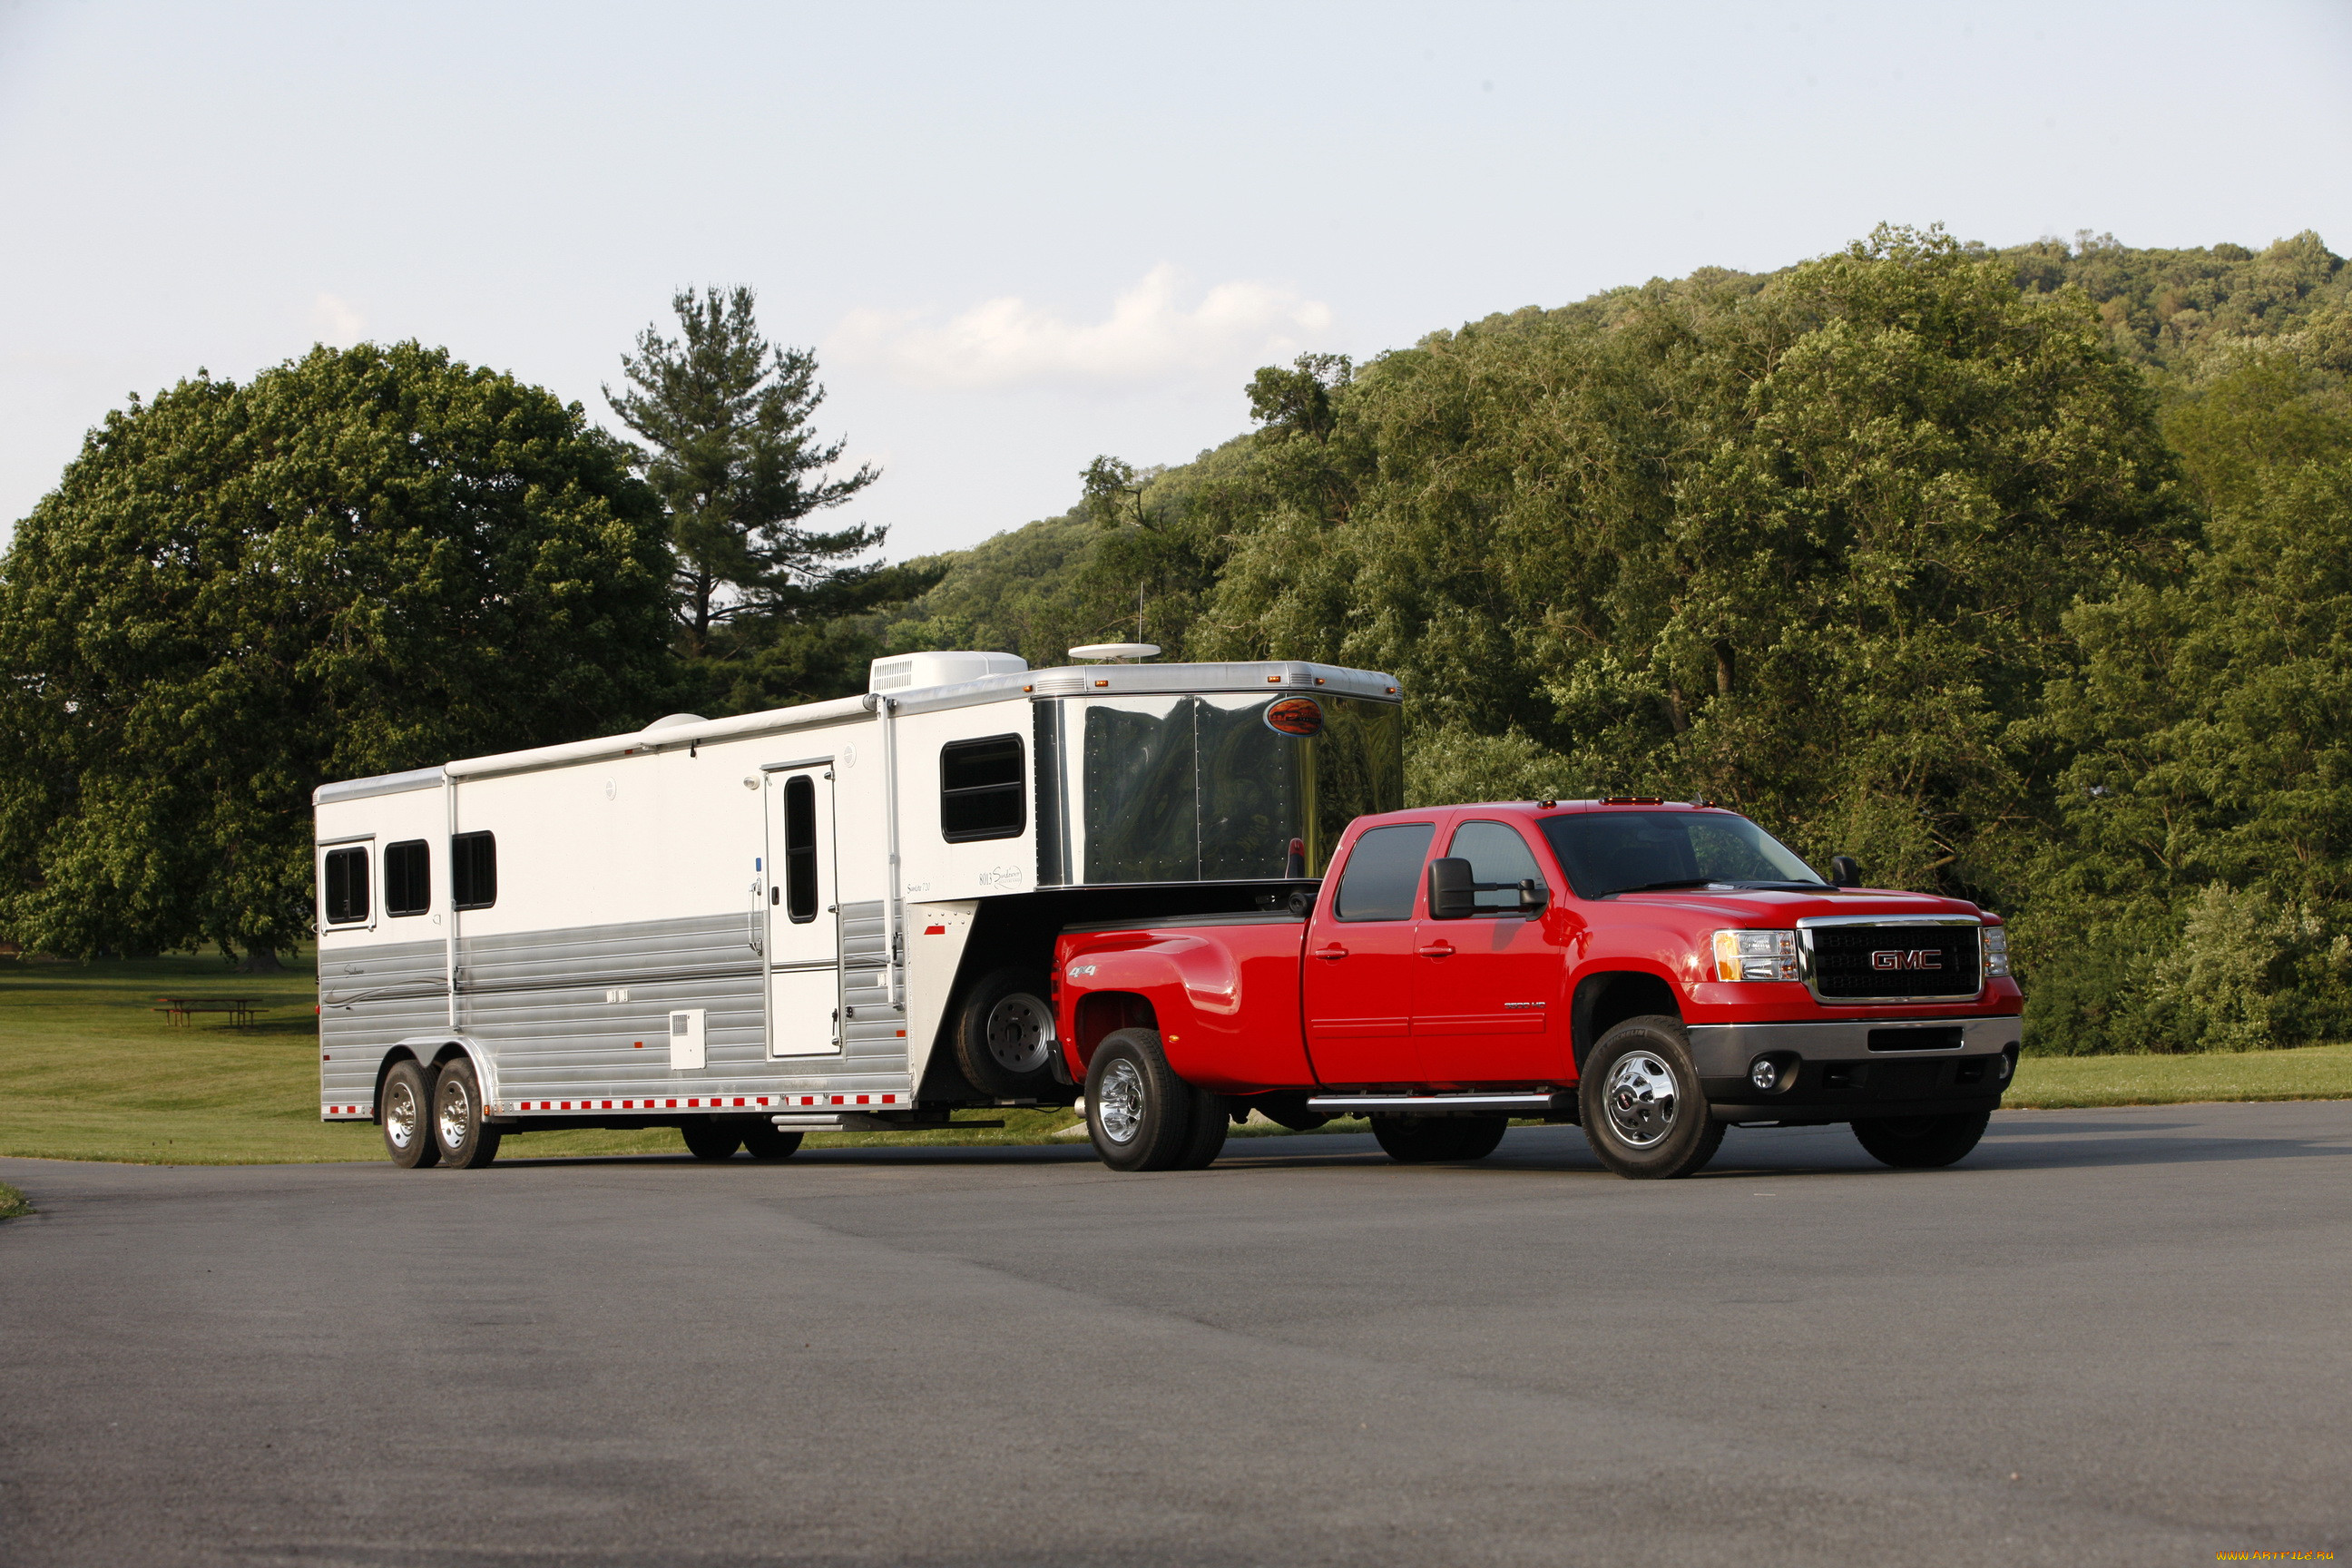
(841, 914)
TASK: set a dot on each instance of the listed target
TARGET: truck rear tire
(1139, 1114)
(765, 1141)
(712, 1139)
(466, 1142)
(1922, 1143)
(406, 1113)
(1004, 1036)
(1211, 1122)
(1641, 1104)
(1439, 1139)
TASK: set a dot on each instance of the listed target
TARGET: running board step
(1514, 1104)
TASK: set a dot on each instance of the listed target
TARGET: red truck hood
(1764, 907)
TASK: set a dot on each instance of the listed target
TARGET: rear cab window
(1382, 876)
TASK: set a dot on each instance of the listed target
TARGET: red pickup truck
(1653, 972)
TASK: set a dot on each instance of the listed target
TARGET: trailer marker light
(1102, 683)
(935, 930)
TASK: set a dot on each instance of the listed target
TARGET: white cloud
(338, 323)
(1148, 336)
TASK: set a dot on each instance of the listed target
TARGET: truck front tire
(1641, 1104)
(1439, 1139)
(464, 1140)
(406, 1109)
(1922, 1143)
(1004, 1036)
(1139, 1114)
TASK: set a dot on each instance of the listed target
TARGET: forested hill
(2024, 574)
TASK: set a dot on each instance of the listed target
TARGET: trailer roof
(1067, 680)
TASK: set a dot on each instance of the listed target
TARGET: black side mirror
(1453, 895)
(1533, 896)
(1845, 871)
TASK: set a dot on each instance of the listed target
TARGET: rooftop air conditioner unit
(908, 671)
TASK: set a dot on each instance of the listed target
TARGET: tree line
(2018, 574)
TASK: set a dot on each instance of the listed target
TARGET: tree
(361, 562)
(739, 468)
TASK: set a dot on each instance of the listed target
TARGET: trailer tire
(405, 1109)
(1640, 1101)
(1139, 1114)
(1922, 1143)
(460, 1131)
(712, 1140)
(1439, 1139)
(1004, 1036)
(765, 1141)
(1212, 1120)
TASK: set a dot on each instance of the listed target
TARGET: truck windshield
(1206, 787)
(1606, 852)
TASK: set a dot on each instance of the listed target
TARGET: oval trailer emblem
(1295, 716)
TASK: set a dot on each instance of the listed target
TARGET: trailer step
(1426, 1104)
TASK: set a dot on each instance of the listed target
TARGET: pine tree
(729, 450)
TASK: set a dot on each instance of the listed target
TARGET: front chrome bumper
(1724, 1051)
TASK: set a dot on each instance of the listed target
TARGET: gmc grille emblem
(1915, 958)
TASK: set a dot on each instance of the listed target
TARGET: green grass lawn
(87, 1071)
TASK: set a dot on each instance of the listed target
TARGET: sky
(1020, 236)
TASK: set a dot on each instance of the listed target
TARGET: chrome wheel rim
(1118, 1102)
(1641, 1099)
(455, 1112)
(400, 1115)
(1020, 1032)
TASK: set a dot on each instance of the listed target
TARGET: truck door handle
(1437, 950)
(1332, 953)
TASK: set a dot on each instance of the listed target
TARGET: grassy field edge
(91, 1070)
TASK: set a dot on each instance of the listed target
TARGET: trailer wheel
(1922, 1143)
(1641, 1104)
(1004, 1036)
(1439, 1139)
(712, 1139)
(466, 1142)
(766, 1140)
(407, 1115)
(1139, 1112)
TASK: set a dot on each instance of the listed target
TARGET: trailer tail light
(1755, 955)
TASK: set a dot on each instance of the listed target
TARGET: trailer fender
(437, 1049)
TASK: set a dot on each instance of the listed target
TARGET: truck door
(1357, 985)
(804, 940)
(1484, 987)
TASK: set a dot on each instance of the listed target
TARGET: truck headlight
(1994, 947)
(1756, 955)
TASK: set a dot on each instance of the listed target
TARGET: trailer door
(803, 946)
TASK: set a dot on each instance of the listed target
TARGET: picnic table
(240, 1009)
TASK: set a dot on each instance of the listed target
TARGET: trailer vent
(909, 671)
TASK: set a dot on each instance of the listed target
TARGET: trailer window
(800, 848)
(1383, 872)
(347, 886)
(473, 871)
(407, 878)
(981, 793)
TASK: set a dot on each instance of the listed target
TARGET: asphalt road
(2110, 1337)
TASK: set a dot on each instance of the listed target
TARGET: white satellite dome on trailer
(1116, 651)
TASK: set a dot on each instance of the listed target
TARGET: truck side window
(981, 793)
(1497, 854)
(800, 848)
(407, 878)
(473, 871)
(1383, 873)
(347, 886)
